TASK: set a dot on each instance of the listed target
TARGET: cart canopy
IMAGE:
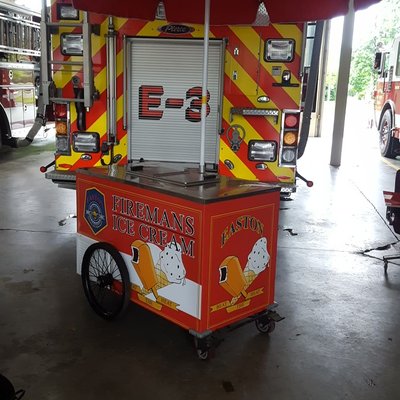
(224, 12)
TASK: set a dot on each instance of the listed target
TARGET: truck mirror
(378, 62)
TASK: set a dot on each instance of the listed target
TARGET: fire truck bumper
(64, 179)
(287, 188)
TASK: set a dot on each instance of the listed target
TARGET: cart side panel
(242, 259)
(159, 237)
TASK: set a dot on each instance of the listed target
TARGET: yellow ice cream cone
(143, 263)
(231, 276)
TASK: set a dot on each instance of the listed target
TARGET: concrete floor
(339, 339)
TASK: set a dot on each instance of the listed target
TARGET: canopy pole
(342, 87)
(204, 86)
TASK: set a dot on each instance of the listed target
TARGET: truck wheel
(387, 143)
(5, 130)
(105, 280)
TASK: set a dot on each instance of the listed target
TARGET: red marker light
(291, 121)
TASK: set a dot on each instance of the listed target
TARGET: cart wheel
(204, 348)
(105, 280)
(202, 354)
(265, 324)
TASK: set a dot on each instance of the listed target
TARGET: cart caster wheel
(265, 325)
(202, 354)
(204, 348)
(105, 280)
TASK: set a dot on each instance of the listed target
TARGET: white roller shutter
(162, 75)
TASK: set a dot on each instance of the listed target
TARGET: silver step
(64, 179)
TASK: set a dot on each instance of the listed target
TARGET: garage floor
(340, 338)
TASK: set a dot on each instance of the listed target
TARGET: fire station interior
(339, 336)
(340, 332)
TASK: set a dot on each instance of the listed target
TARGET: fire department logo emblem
(95, 210)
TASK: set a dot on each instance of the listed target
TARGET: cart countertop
(183, 182)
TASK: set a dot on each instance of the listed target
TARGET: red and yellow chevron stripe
(247, 76)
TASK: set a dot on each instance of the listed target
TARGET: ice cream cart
(200, 253)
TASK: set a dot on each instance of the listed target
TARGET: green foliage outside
(362, 75)
(330, 86)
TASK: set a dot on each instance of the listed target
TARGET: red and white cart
(201, 254)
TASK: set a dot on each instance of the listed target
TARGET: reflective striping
(251, 40)
(100, 125)
(121, 148)
(248, 43)
(272, 166)
(151, 29)
(100, 80)
(291, 31)
(254, 78)
(247, 85)
(262, 125)
(240, 170)
(119, 23)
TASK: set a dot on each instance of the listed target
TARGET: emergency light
(72, 44)
(67, 12)
(279, 50)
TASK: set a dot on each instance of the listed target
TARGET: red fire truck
(386, 99)
(19, 71)
(126, 90)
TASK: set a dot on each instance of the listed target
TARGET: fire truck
(126, 90)
(386, 99)
(19, 72)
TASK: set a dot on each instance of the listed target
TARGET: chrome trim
(19, 9)
(124, 76)
(61, 176)
(17, 87)
(18, 50)
(45, 44)
(24, 66)
(111, 81)
(88, 85)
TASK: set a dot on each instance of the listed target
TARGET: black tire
(5, 130)
(105, 280)
(265, 325)
(387, 143)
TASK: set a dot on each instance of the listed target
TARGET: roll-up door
(164, 94)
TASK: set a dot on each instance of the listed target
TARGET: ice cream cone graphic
(231, 276)
(142, 261)
(157, 268)
(249, 277)
(234, 279)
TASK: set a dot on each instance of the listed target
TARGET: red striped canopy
(224, 12)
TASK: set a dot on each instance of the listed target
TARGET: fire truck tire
(105, 280)
(5, 130)
(387, 143)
